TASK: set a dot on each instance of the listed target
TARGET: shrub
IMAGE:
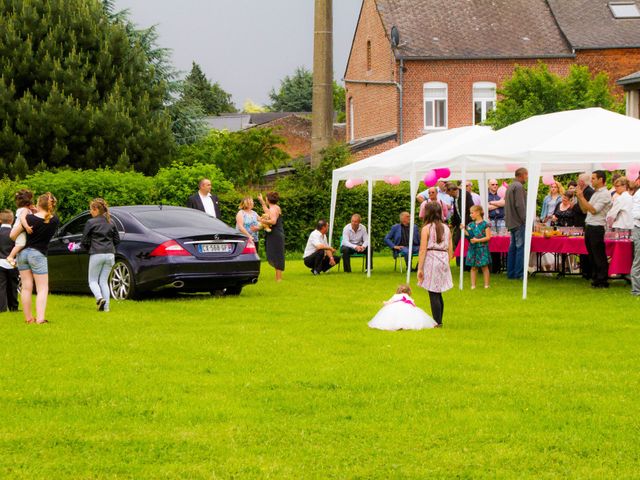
(174, 184)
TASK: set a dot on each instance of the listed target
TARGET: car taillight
(249, 248)
(170, 248)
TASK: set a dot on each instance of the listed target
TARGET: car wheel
(121, 282)
(233, 291)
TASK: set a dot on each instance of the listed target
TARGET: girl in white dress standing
(400, 313)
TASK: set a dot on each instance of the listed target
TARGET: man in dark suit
(203, 200)
(584, 182)
(8, 275)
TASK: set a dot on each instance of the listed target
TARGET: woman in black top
(32, 261)
(100, 239)
(274, 240)
(565, 215)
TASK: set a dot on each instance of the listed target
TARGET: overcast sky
(246, 45)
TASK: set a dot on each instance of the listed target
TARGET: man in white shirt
(635, 269)
(596, 209)
(204, 201)
(318, 254)
(355, 240)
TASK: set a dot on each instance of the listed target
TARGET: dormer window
(624, 9)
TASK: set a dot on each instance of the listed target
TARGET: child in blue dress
(478, 256)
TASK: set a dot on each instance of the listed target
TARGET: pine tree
(211, 96)
(78, 87)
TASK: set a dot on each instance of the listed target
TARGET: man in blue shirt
(398, 238)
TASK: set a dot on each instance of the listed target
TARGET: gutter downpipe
(400, 87)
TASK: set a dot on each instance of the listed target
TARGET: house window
(624, 9)
(352, 128)
(435, 105)
(484, 100)
(368, 55)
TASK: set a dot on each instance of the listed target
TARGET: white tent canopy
(398, 162)
(563, 142)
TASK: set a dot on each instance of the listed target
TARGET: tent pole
(413, 191)
(463, 219)
(332, 213)
(484, 194)
(369, 228)
(532, 195)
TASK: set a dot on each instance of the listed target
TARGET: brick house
(418, 66)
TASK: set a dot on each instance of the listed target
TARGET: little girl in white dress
(400, 313)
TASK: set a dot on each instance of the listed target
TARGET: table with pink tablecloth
(620, 252)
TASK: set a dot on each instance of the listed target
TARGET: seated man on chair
(355, 240)
(398, 238)
(318, 254)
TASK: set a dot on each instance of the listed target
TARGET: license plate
(215, 248)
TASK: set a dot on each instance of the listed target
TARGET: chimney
(322, 118)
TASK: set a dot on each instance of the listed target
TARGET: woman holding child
(274, 238)
(32, 260)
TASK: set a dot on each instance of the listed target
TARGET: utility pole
(322, 118)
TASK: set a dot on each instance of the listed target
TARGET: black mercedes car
(161, 247)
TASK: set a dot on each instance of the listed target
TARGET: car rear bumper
(197, 276)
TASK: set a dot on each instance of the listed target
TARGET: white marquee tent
(557, 143)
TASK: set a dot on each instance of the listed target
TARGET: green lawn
(287, 381)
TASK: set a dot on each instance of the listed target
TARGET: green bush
(302, 208)
(174, 184)
(75, 188)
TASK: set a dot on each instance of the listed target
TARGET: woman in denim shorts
(32, 261)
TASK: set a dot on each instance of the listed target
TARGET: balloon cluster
(432, 176)
(502, 191)
(548, 180)
(392, 180)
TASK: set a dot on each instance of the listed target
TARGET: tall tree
(211, 96)
(536, 91)
(296, 94)
(76, 91)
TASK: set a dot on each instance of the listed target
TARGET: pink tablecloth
(619, 251)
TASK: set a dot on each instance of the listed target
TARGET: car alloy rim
(120, 281)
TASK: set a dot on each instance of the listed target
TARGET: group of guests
(24, 245)
(586, 203)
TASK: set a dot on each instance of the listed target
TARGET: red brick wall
(616, 63)
(459, 75)
(375, 106)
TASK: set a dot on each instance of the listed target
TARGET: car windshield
(157, 219)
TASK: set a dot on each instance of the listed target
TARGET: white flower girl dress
(400, 313)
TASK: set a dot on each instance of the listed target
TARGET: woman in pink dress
(436, 253)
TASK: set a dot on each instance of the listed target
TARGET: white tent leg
(332, 213)
(463, 219)
(369, 228)
(532, 195)
(484, 194)
(413, 191)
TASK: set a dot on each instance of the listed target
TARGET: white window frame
(483, 99)
(627, 14)
(352, 129)
(433, 100)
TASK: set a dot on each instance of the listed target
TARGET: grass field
(287, 381)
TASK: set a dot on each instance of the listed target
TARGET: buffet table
(620, 252)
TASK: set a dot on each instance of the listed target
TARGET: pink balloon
(431, 178)
(443, 172)
(633, 172)
(349, 184)
(392, 180)
(612, 166)
(505, 185)
(502, 191)
(548, 180)
(512, 167)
